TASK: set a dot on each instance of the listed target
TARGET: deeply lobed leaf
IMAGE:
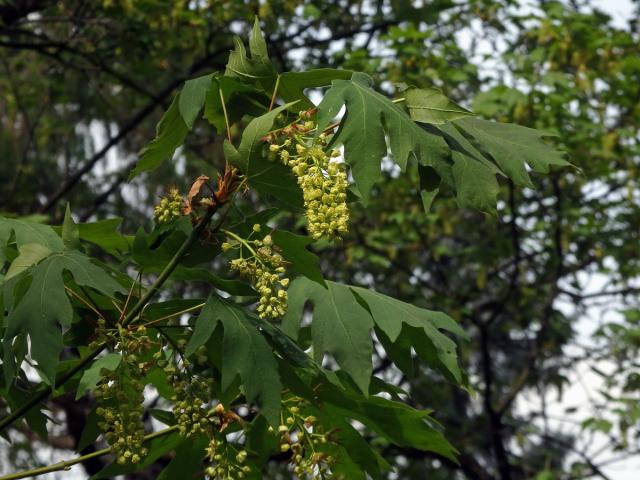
(246, 354)
(44, 310)
(370, 118)
(344, 316)
(465, 153)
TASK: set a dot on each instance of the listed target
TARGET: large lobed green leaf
(29, 254)
(341, 326)
(464, 153)
(24, 232)
(397, 422)
(192, 98)
(174, 124)
(293, 84)
(269, 178)
(257, 68)
(430, 105)
(513, 147)
(369, 118)
(104, 234)
(344, 316)
(170, 134)
(337, 403)
(43, 311)
(474, 175)
(392, 316)
(240, 99)
(246, 354)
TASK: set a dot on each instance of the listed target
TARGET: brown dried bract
(228, 183)
(193, 192)
(308, 114)
(226, 418)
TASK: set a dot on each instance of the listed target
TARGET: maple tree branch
(67, 464)
(595, 469)
(133, 313)
(128, 127)
(467, 463)
(44, 44)
(12, 12)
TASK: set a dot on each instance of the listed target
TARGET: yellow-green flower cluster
(301, 435)
(120, 394)
(227, 462)
(190, 404)
(265, 267)
(323, 181)
(121, 411)
(170, 207)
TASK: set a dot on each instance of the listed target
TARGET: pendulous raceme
(321, 177)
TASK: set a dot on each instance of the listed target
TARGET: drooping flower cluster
(226, 461)
(120, 395)
(321, 177)
(194, 417)
(190, 403)
(301, 435)
(264, 266)
(121, 411)
(170, 207)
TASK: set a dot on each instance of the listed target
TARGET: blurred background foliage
(548, 290)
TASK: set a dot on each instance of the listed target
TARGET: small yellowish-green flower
(223, 466)
(170, 207)
(190, 407)
(265, 268)
(321, 177)
(211, 449)
(122, 424)
(324, 188)
(300, 435)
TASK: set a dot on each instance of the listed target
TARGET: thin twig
(275, 92)
(226, 118)
(84, 302)
(126, 303)
(67, 464)
(186, 310)
(131, 316)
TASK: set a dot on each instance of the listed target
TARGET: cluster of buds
(170, 207)
(121, 412)
(190, 403)
(226, 461)
(321, 177)
(120, 394)
(265, 268)
(191, 394)
(301, 435)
